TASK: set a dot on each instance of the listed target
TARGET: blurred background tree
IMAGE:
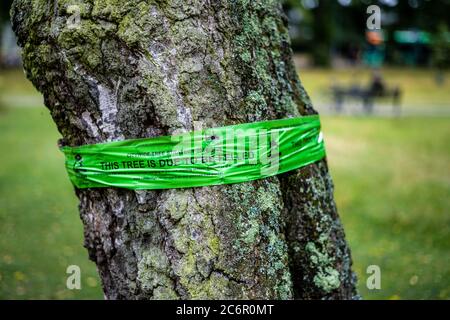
(9, 51)
(4, 10)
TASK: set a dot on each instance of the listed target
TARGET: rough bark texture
(138, 69)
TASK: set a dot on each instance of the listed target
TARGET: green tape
(215, 156)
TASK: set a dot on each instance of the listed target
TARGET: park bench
(367, 95)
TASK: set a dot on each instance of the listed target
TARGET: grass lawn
(40, 230)
(392, 184)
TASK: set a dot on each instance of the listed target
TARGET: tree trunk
(134, 69)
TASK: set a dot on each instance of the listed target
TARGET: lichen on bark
(134, 69)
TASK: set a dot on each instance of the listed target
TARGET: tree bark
(134, 69)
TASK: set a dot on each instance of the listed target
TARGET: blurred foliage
(327, 27)
(441, 47)
(4, 10)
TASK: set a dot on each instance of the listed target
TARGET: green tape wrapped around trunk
(225, 155)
